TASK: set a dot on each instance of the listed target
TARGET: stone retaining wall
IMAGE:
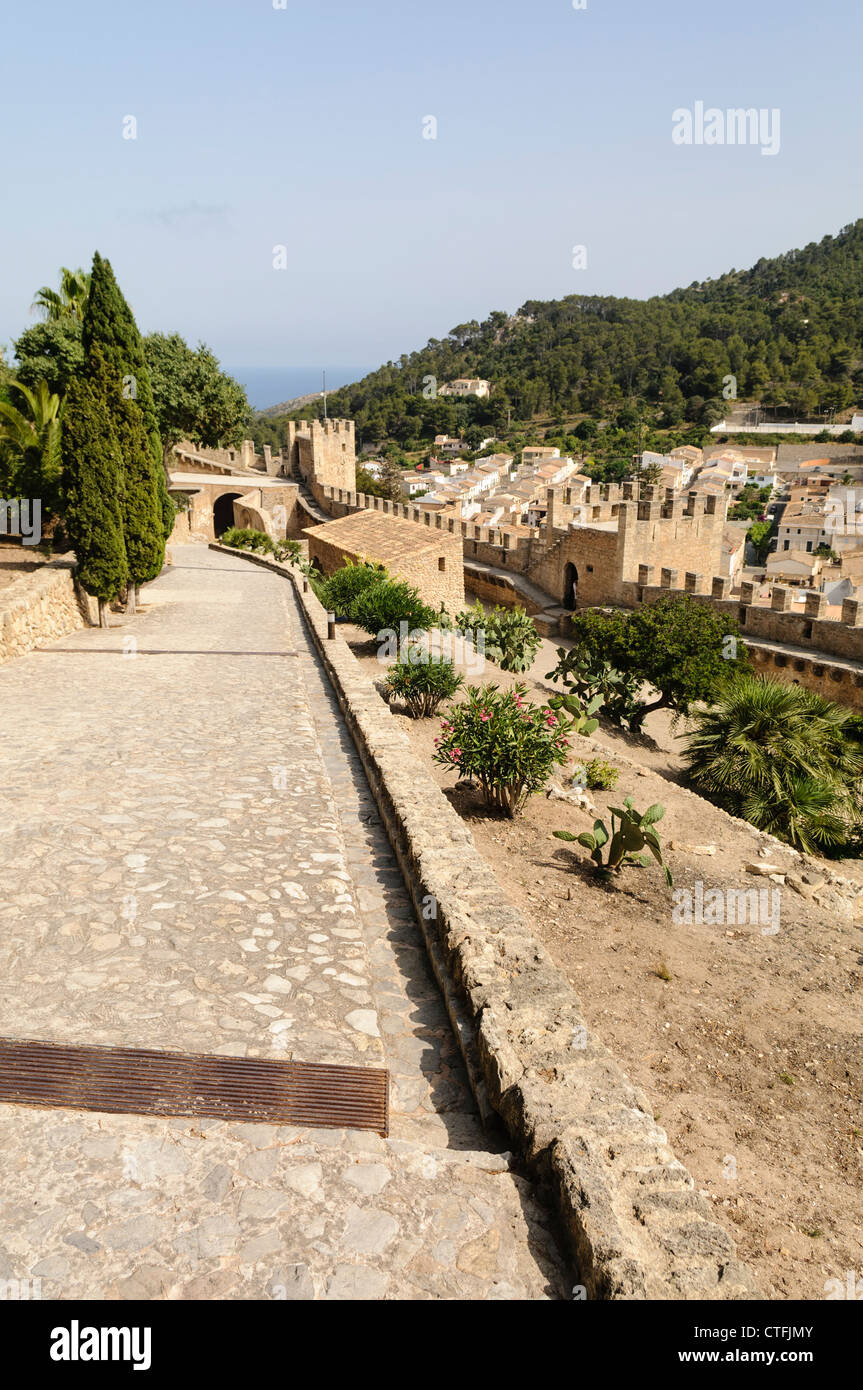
(637, 1228)
(39, 607)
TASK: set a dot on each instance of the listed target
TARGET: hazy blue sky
(303, 126)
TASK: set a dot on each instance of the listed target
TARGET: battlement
(321, 452)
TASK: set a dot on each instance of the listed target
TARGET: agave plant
(782, 757)
(630, 833)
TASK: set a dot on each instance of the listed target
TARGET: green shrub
(507, 636)
(245, 538)
(600, 775)
(503, 742)
(633, 833)
(287, 550)
(384, 606)
(347, 583)
(422, 681)
(587, 676)
(780, 756)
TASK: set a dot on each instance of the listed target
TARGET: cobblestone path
(191, 859)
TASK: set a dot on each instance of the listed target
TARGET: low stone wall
(40, 607)
(637, 1228)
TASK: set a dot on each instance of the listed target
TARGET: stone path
(191, 859)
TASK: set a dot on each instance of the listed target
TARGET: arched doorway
(223, 512)
(570, 585)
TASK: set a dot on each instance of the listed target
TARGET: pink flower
(485, 717)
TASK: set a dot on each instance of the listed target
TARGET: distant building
(793, 566)
(538, 453)
(466, 386)
(444, 444)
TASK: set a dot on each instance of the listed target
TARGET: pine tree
(93, 487)
(110, 330)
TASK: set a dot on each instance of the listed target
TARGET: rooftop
(378, 536)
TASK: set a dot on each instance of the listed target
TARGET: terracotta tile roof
(378, 536)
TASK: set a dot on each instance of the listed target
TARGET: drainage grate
(127, 1080)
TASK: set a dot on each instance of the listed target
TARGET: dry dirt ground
(17, 560)
(748, 1043)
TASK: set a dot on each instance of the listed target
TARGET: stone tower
(322, 451)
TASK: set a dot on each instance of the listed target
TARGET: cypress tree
(109, 328)
(92, 489)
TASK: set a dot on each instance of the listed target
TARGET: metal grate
(134, 1081)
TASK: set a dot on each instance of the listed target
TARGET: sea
(266, 386)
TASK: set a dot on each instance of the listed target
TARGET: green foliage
(760, 534)
(588, 677)
(630, 833)
(288, 550)
(580, 716)
(346, 584)
(140, 502)
(92, 486)
(423, 680)
(506, 636)
(50, 352)
(31, 437)
(246, 538)
(109, 331)
(503, 742)
(70, 301)
(783, 758)
(750, 503)
(683, 648)
(600, 775)
(385, 605)
(193, 398)
(790, 330)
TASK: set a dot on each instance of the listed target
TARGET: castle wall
(322, 452)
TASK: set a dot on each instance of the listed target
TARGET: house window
(441, 564)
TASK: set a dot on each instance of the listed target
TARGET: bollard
(305, 586)
(331, 626)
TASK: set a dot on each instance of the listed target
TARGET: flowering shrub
(503, 742)
(422, 681)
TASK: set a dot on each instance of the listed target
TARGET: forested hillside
(789, 331)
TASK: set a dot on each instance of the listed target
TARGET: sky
(265, 124)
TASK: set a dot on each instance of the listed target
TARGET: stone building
(320, 452)
(430, 559)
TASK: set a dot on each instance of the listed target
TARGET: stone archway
(223, 512)
(570, 585)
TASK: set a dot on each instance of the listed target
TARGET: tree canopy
(194, 398)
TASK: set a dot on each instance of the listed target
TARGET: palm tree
(32, 439)
(783, 758)
(69, 301)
